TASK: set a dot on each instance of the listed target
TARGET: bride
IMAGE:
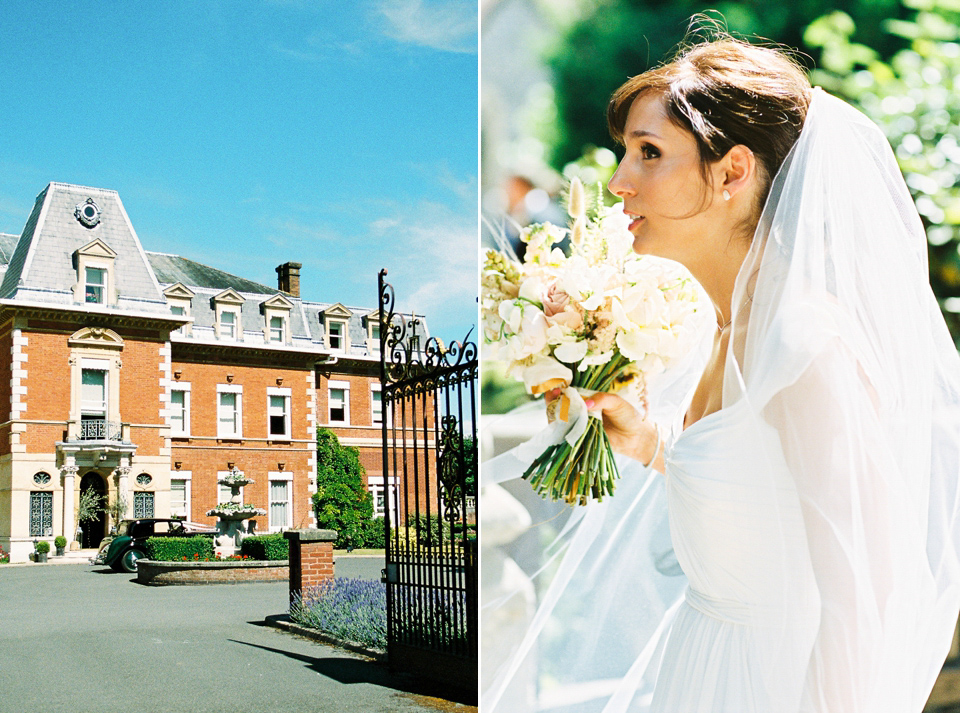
(799, 552)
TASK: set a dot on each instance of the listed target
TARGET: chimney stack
(288, 278)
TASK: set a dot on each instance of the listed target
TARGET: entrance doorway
(92, 531)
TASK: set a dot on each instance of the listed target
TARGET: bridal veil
(838, 345)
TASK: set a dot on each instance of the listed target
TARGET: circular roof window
(88, 213)
(144, 480)
(41, 478)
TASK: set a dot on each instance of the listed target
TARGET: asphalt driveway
(78, 638)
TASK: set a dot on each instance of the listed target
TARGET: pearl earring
(726, 194)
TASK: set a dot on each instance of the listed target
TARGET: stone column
(123, 487)
(311, 558)
(69, 472)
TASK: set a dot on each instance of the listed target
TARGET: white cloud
(435, 270)
(449, 25)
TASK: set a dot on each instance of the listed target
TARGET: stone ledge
(311, 535)
(226, 572)
(282, 621)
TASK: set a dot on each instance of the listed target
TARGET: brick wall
(254, 380)
(204, 455)
(48, 377)
(204, 462)
(311, 558)
(158, 573)
(6, 344)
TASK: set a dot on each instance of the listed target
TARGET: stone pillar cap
(311, 535)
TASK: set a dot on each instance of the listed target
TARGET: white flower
(527, 329)
(571, 351)
(615, 228)
(637, 344)
(542, 370)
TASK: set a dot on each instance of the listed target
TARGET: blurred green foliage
(616, 39)
(498, 392)
(914, 98)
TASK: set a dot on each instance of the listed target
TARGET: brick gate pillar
(311, 558)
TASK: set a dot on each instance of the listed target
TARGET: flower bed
(225, 571)
(352, 610)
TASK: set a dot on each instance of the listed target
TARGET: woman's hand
(629, 432)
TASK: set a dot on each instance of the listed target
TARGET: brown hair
(726, 92)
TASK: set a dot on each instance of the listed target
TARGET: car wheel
(129, 560)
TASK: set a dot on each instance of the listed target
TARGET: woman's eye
(648, 151)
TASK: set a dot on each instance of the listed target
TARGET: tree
(617, 39)
(89, 507)
(914, 98)
(342, 502)
(116, 511)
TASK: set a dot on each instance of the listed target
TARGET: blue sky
(248, 133)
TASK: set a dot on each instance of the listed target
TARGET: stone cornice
(79, 314)
(242, 351)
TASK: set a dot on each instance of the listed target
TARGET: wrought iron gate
(428, 400)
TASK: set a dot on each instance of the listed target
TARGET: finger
(604, 401)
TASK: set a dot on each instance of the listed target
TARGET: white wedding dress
(800, 555)
(734, 534)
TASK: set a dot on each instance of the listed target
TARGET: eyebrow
(641, 133)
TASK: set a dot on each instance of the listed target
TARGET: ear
(736, 171)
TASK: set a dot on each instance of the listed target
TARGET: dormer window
(276, 319)
(228, 325)
(335, 336)
(96, 282)
(336, 322)
(228, 305)
(373, 333)
(95, 264)
(276, 330)
(180, 298)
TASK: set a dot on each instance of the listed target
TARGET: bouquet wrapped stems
(575, 473)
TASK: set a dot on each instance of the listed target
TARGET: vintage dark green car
(122, 552)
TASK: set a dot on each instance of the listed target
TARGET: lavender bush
(348, 609)
(433, 617)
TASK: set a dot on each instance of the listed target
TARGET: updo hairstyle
(727, 92)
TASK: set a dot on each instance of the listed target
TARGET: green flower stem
(588, 469)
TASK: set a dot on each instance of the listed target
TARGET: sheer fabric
(814, 515)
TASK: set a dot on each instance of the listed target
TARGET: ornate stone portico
(113, 456)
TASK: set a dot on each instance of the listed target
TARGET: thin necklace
(726, 324)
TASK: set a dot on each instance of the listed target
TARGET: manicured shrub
(373, 536)
(43, 547)
(431, 530)
(176, 549)
(342, 501)
(60, 541)
(348, 609)
(266, 547)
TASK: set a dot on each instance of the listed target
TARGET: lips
(636, 221)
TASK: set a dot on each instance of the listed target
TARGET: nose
(618, 185)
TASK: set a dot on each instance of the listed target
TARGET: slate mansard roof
(41, 268)
(38, 267)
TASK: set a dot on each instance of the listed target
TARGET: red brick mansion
(145, 376)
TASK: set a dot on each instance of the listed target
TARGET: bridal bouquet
(599, 319)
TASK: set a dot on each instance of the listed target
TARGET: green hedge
(174, 549)
(265, 547)
(373, 535)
